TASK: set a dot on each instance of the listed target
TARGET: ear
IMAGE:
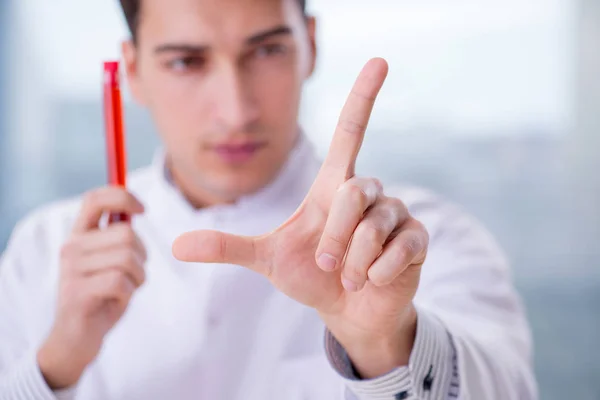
(132, 69)
(311, 28)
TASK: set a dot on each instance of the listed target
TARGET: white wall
(464, 66)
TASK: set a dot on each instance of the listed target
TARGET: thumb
(215, 247)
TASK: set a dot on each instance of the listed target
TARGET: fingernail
(327, 262)
(349, 285)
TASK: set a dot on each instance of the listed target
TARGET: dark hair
(131, 9)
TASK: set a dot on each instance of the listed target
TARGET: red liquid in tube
(115, 132)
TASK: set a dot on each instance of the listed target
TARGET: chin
(234, 187)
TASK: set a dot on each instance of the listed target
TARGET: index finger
(354, 118)
(105, 200)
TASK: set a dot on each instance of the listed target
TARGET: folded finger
(368, 241)
(125, 260)
(105, 200)
(112, 285)
(349, 205)
(409, 247)
(114, 236)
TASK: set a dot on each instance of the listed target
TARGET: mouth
(238, 152)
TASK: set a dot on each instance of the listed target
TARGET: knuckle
(425, 238)
(363, 96)
(371, 232)
(374, 185)
(404, 251)
(91, 200)
(356, 194)
(423, 233)
(389, 217)
(377, 183)
(119, 283)
(396, 203)
(397, 206)
(353, 127)
(409, 247)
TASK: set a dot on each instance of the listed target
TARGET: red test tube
(114, 132)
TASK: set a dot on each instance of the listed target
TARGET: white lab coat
(222, 332)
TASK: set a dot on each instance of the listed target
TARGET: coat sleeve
(23, 285)
(467, 285)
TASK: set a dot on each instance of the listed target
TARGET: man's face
(222, 80)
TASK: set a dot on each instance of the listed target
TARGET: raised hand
(349, 251)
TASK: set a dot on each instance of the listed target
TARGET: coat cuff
(25, 382)
(428, 375)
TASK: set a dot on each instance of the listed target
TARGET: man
(307, 281)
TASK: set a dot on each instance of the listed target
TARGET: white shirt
(213, 332)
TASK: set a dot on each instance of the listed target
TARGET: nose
(234, 106)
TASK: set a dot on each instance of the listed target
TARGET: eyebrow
(180, 48)
(260, 37)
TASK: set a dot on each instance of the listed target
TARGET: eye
(186, 64)
(268, 50)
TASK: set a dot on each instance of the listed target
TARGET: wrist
(374, 354)
(59, 371)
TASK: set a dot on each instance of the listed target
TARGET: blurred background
(493, 103)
